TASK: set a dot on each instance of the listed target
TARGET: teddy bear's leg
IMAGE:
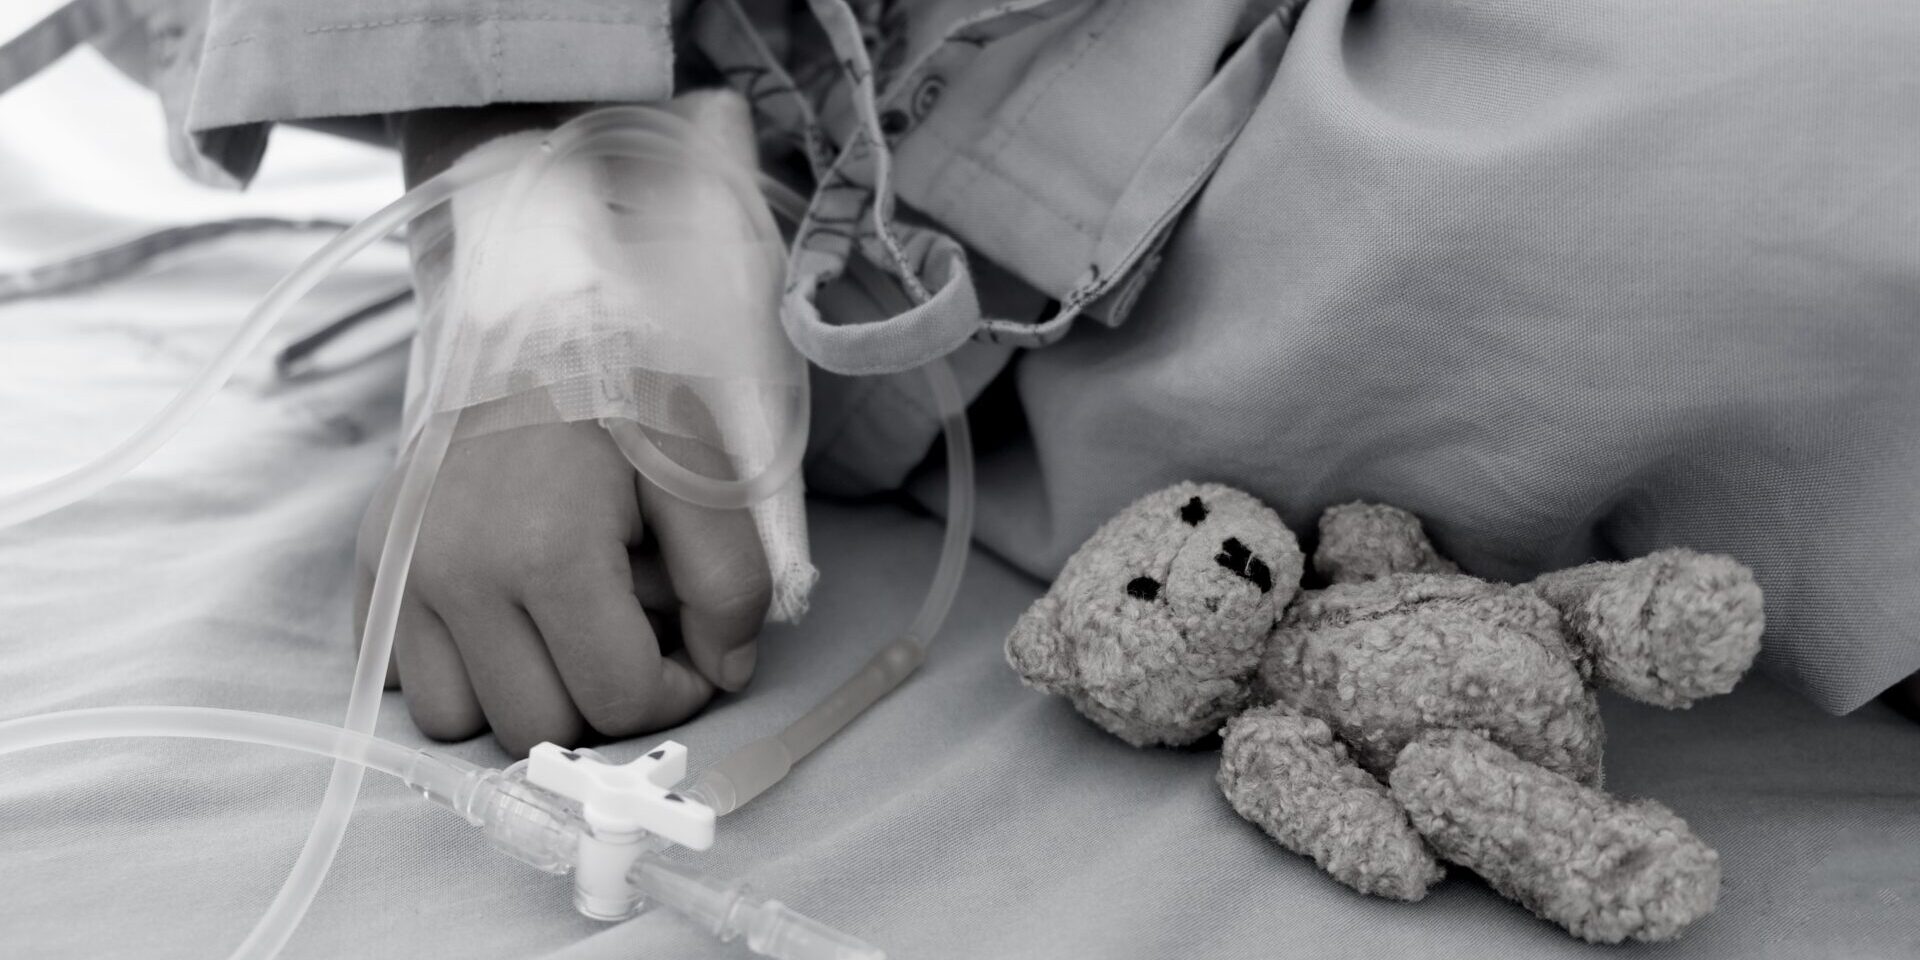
(1366, 541)
(1668, 629)
(1603, 868)
(1287, 774)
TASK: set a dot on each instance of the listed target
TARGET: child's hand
(543, 558)
(554, 590)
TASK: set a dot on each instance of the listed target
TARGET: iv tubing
(237, 726)
(19, 506)
(750, 770)
(605, 136)
(742, 776)
(290, 904)
(755, 767)
(271, 932)
(614, 131)
(727, 909)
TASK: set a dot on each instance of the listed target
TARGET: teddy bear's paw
(1667, 629)
(1038, 651)
(1604, 869)
(1287, 774)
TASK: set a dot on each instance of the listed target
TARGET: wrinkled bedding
(965, 816)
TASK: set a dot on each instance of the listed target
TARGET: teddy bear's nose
(1235, 556)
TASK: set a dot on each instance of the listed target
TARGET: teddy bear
(1404, 714)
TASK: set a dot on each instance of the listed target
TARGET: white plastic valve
(625, 807)
(629, 797)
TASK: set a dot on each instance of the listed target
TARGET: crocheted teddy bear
(1405, 714)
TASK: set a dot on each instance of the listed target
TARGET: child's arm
(545, 564)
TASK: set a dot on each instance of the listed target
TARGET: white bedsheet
(964, 817)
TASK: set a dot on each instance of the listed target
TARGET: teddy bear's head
(1155, 627)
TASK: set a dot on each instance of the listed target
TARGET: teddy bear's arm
(1038, 650)
(1603, 868)
(1287, 774)
(1366, 541)
(1667, 629)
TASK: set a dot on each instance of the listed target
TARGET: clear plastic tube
(19, 506)
(271, 932)
(610, 131)
(522, 821)
(125, 256)
(959, 533)
(601, 131)
(290, 904)
(417, 767)
(698, 488)
(751, 769)
(731, 910)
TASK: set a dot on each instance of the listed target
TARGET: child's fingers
(655, 591)
(666, 630)
(514, 678)
(439, 695)
(650, 582)
(605, 648)
(719, 574)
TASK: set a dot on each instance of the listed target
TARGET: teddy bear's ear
(1039, 652)
(1367, 541)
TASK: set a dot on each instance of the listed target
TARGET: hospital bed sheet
(964, 817)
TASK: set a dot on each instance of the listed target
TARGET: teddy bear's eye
(1143, 588)
(1193, 512)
